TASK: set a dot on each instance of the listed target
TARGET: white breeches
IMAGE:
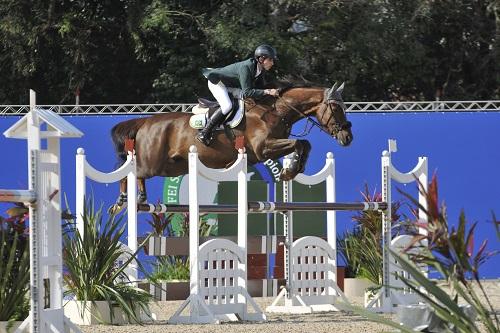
(221, 94)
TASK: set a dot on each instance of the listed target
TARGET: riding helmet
(265, 50)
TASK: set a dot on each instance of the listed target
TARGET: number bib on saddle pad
(201, 114)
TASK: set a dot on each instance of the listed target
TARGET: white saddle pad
(200, 114)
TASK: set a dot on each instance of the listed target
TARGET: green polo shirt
(238, 75)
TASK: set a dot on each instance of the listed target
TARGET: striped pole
(267, 207)
(17, 196)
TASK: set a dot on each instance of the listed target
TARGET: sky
(462, 149)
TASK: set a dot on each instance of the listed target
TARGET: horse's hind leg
(142, 196)
(122, 198)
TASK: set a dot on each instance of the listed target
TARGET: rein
(306, 131)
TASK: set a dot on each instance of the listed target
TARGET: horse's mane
(289, 82)
(284, 84)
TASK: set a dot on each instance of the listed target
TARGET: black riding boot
(205, 136)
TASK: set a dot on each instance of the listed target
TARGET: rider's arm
(268, 83)
(246, 83)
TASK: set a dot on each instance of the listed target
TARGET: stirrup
(206, 140)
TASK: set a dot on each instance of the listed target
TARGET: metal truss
(352, 107)
(433, 106)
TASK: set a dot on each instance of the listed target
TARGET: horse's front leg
(280, 147)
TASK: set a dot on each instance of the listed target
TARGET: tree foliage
(129, 51)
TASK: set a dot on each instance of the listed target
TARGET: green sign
(171, 193)
(171, 188)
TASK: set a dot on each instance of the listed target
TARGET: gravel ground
(338, 322)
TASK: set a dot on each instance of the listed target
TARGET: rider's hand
(272, 92)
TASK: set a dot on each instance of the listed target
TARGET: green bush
(93, 268)
(169, 268)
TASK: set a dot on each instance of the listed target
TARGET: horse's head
(326, 105)
(331, 115)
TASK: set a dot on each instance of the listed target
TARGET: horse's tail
(123, 131)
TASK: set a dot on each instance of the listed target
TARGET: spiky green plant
(161, 224)
(14, 270)
(450, 254)
(366, 234)
(170, 268)
(93, 268)
(371, 220)
(361, 263)
(205, 229)
(175, 267)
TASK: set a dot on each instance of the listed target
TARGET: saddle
(205, 108)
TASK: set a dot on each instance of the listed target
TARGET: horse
(162, 141)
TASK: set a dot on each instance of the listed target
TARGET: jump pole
(265, 207)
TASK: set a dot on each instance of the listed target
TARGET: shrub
(367, 234)
(450, 253)
(14, 268)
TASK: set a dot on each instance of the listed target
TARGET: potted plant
(95, 275)
(361, 248)
(361, 266)
(170, 274)
(14, 269)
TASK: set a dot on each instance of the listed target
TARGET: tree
(130, 51)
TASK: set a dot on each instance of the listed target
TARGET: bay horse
(162, 141)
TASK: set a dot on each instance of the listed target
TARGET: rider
(247, 75)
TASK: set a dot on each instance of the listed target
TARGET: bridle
(338, 124)
(326, 104)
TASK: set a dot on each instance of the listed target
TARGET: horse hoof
(115, 209)
(287, 174)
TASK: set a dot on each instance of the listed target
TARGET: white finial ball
(329, 155)
(80, 151)
(193, 149)
(385, 153)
